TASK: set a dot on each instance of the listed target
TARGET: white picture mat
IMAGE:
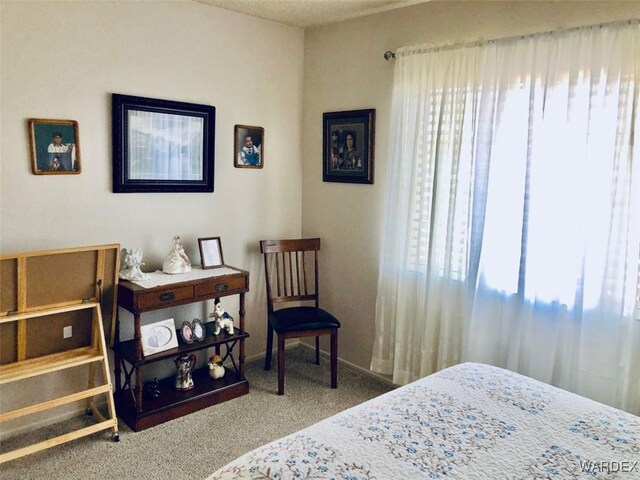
(158, 337)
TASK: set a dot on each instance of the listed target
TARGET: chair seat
(301, 318)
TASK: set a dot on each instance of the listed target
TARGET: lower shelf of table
(173, 403)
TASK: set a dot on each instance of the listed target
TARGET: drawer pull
(167, 296)
(221, 287)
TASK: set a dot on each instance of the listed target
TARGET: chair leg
(334, 358)
(317, 350)
(280, 364)
(267, 356)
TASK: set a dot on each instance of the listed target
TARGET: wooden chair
(286, 263)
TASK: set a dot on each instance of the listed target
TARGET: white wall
(344, 69)
(63, 60)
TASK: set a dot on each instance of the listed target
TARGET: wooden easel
(68, 287)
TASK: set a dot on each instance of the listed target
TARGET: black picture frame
(183, 132)
(348, 148)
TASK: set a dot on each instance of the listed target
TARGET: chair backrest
(289, 271)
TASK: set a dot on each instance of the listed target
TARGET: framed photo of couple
(55, 147)
(348, 146)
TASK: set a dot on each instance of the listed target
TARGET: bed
(471, 421)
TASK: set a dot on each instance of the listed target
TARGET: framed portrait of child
(248, 147)
(55, 147)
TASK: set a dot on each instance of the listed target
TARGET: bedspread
(471, 421)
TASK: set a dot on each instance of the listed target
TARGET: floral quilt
(471, 421)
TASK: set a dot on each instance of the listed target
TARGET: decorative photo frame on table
(199, 330)
(193, 331)
(186, 332)
(162, 145)
(54, 146)
(158, 337)
(211, 252)
(248, 147)
(348, 146)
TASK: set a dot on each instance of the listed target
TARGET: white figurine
(216, 370)
(223, 321)
(130, 265)
(176, 261)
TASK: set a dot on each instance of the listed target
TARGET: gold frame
(237, 144)
(33, 150)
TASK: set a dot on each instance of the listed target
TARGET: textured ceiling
(309, 13)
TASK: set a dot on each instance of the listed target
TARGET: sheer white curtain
(512, 229)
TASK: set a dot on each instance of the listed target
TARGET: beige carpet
(194, 446)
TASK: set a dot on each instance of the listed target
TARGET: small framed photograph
(211, 252)
(55, 147)
(158, 337)
(199, 330)
(348, 146)
(193, 331)
(186, 332)
(248, 147)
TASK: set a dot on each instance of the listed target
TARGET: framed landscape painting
(162, 145)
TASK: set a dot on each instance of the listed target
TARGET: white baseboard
(352, 366)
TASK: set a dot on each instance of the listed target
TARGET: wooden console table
(141, 412)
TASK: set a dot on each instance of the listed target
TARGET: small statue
(216, 370)
(223, 321)
(151, 389)
(185, 365)
(130, 265)
(176, 261)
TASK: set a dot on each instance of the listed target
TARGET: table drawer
(164, 298)
(222, 286)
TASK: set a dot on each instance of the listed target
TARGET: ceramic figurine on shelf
(176, 261)
(151, 389)
(130, 265)
(216, 370)
(223, 321)
(185, 365)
